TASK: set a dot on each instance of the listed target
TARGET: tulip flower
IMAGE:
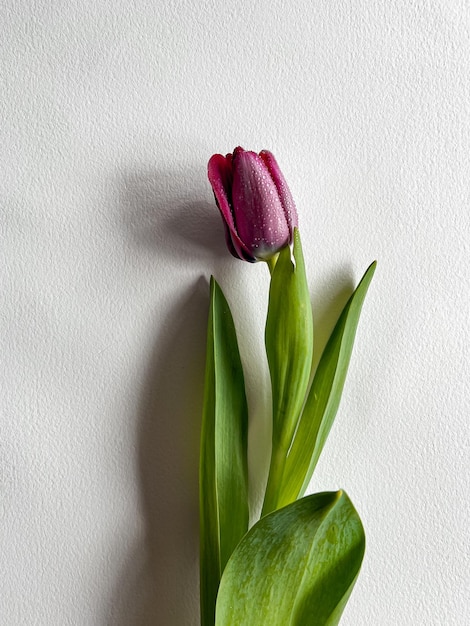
(299, 561)
(257, 208)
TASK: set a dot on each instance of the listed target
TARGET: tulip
(257, 208)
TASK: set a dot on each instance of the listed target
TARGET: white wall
(110, 111)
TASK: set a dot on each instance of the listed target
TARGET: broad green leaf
(223, 491)
(289, 348)
(323, 398)
(296, 567)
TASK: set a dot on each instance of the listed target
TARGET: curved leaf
(295, 567)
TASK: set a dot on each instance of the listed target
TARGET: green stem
(272, 263)
(273, 487)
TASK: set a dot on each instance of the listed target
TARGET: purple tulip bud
(255, 202)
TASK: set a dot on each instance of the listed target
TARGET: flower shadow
(159, 213)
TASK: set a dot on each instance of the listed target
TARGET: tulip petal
(257, 209)
(220, 176)
(283, 190)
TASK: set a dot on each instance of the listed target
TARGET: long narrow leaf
(324, 397)
(295, 567)
(289, 348)
(223, 462)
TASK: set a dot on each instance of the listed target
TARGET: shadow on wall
(164, 589)
(161, 212)
(159, 583)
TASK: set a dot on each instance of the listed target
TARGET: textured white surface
(109, 113)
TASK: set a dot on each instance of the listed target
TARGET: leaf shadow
(159, 583)
(328, 301)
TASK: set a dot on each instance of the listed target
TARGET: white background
(109, 113)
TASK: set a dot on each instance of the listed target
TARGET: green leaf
(223, 490)
(323, 398)
(289, 348)
(295, 567)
